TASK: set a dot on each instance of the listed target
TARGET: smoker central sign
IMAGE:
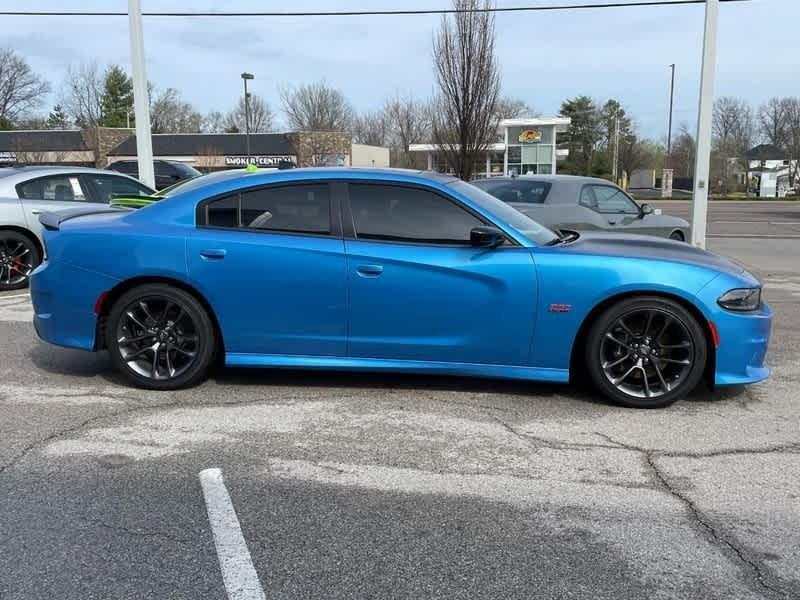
(258, 160)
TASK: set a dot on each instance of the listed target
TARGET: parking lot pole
(703, 158)
(141, 101)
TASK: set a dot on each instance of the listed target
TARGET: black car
(167, 172)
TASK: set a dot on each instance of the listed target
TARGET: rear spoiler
(53, 220)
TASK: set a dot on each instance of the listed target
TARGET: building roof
(53, 140)
(765, 152)
(189, 144)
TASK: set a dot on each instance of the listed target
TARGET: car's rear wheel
(646, 352)
(160, 337)
(19, 256)
(677, 236)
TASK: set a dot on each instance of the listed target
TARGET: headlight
(741, 299)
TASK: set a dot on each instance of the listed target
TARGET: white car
(25, 192)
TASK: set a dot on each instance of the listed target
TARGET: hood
(641, 246)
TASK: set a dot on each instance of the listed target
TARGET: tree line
(461, 117)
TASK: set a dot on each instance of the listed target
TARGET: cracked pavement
(351, 486)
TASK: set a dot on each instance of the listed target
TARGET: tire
(19, 256)
(173, 322)
(677, 236)
(664, 355)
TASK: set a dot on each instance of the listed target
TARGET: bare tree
(683, 152)
(792, 114)
(169, 113)
(20, 88)
(635, 154)
(772, 121)
(371, 128)
(468, 78)
(82, 94)
(733, 129)
(316, 107)
(213, 122)
(513, 108)
(410, 123)
(261, 116)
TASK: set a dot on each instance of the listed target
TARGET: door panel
(273, 293)
(439, 303)
(49, 194)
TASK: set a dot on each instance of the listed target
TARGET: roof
(580, 179)
(766, 152)
(191, 144)
(561, 123)
(55, 140)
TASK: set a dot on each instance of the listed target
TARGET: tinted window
(125, 167)
(108, 186)
(390, 212)
(607, 199)
(503, 214)
(530, 192)
(185, 170)
(291, 208)
(60, 188)
(299, 208)
(223, 212)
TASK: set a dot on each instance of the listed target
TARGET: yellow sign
(530, 136)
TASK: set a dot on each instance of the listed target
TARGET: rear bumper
(63, 299)
(744, 339)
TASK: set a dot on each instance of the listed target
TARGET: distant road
(756, 218)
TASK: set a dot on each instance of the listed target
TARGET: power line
(357, 13)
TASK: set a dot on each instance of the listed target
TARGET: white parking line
(238, 573)
(15, 296)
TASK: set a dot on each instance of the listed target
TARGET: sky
(545, 57)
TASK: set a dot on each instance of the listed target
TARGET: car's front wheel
(160, 337)
(646, 352)
(19, 256)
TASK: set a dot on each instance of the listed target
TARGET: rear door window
(304, 208)
(55, 188)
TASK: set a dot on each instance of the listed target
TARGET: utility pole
(615, 167)
(247, 77)
(703, 158)
(669, 129)
(141, 102)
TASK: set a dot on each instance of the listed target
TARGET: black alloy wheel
(19, 256)
(646, 352)
(160, 337)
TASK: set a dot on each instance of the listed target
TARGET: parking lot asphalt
(756, 219)
(356, 486)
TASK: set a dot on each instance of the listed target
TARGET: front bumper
(744, 340)
(63, 299)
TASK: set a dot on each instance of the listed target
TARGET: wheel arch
(577, 366)
(116, 292)
(27, 233)
(679, 232)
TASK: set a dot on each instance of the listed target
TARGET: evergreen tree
(583, 135)
(117, 99)
(57, 119)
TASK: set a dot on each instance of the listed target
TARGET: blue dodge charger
(390, 270)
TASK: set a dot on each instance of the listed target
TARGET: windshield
(536, 233)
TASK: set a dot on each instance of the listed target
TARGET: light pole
(703, 153)
(669, 128)
(245, 78)
(144, 143)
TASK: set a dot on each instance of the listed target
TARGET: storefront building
(101, 146)
(524, 147)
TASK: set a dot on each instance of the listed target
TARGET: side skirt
(403, 366)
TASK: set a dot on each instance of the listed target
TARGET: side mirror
(645, 209)
(486, 237)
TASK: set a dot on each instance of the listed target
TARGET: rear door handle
(369, 270)
(36, 211)
(213, 254)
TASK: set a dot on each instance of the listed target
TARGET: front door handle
(612, 221)
(213, 254)
(369, 270)
(36, 211)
